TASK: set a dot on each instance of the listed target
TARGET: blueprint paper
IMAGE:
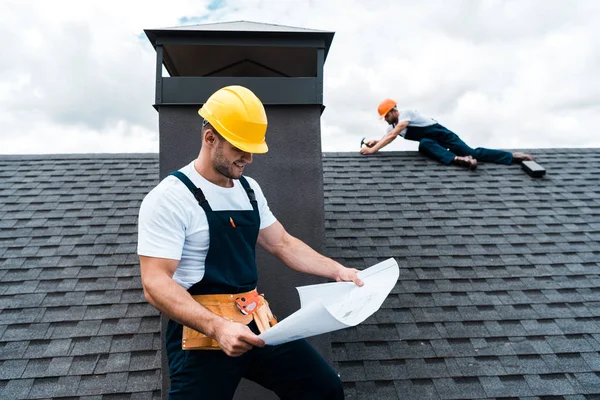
(332, 306)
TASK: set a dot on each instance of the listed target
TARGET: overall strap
(197, 192)
(249, 192)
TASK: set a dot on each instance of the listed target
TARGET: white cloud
(509, 74)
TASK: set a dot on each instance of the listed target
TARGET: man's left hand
(367, 150)
(349, 275)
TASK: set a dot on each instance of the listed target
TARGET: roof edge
(407, 152)
(72, 156)
(225, 24)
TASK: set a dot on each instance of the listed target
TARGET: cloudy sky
(78, 77)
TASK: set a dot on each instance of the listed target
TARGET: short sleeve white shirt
(413, 118)
(172, 224)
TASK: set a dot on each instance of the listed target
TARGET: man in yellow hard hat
(436, 141)
(197, 234)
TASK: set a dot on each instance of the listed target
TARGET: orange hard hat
(385, 106)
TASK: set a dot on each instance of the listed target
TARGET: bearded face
(230, 161)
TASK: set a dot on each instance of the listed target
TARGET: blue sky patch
(215, 5)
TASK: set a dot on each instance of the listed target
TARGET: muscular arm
(300, 257)
(387, 139)
(174, 301)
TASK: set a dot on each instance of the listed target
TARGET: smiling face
(219, 161)
(228, 160)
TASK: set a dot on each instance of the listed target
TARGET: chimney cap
(239, 29)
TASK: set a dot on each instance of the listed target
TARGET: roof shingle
(499, 273)
(74, 322)
(497, 296)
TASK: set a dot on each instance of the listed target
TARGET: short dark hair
(206, 125)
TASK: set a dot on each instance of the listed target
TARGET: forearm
(302, 258)
(387, 139)
(176, 303)
(390, 136)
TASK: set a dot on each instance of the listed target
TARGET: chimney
(283, 66)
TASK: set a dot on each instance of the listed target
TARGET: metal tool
(364, 143)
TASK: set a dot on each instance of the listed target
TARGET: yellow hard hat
(239, 116)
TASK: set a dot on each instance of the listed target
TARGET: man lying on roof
(435, 140)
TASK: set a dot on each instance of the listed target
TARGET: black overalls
(292, 370)
(443, 145)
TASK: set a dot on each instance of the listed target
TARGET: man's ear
(209, 136)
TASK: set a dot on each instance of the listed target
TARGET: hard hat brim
(254, 148)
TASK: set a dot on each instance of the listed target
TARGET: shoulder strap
(197, 192)
(199, 195)
(249, 192)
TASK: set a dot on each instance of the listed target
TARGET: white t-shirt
(173, 225)
(413, 118)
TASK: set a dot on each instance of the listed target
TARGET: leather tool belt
(241, 308)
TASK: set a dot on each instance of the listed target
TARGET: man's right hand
(235, 339)
(371, 143)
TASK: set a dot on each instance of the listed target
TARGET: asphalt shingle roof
(73, 319)
(498, 295)
(499, 282)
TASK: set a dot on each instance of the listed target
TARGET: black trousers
(294, 371)
(443, 145)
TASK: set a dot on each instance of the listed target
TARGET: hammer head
(362, 142)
